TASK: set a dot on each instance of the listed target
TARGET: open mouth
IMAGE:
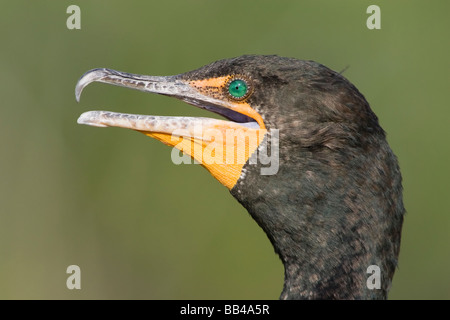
(165, 85)
(221, 146)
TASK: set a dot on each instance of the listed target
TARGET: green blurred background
(111, 200)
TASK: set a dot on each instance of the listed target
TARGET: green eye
(238, 88)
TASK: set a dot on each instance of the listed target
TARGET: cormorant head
(300, 149)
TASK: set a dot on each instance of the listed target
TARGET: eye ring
(239, 88)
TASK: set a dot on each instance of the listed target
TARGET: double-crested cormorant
(314, 169)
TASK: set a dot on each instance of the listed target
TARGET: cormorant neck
(329, 225)
(324, 259)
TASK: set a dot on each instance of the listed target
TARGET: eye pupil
(238, 88)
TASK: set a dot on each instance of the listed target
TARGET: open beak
(221, 146)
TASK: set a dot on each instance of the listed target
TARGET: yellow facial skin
(224, 148)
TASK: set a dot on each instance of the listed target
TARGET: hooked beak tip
(87, 78)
